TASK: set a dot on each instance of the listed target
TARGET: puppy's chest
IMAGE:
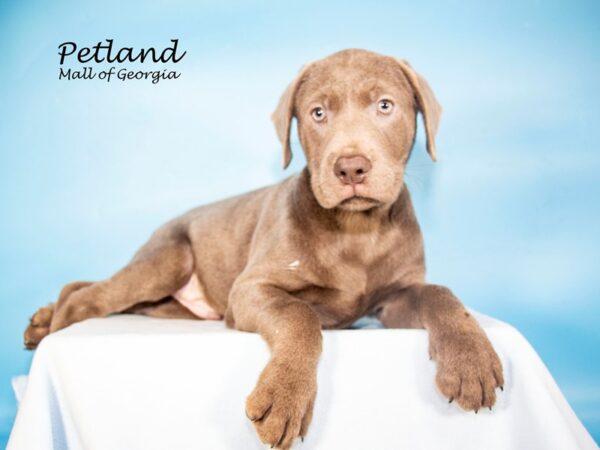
(345, 274)
(357, 261)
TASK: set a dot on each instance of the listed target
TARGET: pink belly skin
(192, 296)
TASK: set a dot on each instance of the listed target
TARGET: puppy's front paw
(281, 404)
(468, 369)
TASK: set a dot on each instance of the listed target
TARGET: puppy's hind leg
(158, 270)
(39, 324)
(168, 308)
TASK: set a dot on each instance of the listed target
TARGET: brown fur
(311, 252)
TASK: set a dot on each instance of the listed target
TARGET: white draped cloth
(132, 382)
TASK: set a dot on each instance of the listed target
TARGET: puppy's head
(356, 113)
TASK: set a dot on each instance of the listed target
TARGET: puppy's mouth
(359, 203)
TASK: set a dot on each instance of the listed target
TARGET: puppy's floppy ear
(283, 114)
(427, 104)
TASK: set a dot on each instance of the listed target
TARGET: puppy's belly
(192, 296)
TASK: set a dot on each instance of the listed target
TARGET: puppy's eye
(318, 114)
(385, 106)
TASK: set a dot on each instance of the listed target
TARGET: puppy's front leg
(468, 368)
(282, 402)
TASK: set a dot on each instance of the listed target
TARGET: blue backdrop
(510, 214)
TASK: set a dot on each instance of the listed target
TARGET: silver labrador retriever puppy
(318, 250)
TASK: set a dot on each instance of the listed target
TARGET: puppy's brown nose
(351, 169)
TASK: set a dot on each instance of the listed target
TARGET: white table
(131, 382)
